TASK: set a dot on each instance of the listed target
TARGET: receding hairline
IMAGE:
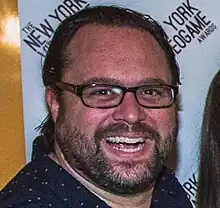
(67, 56)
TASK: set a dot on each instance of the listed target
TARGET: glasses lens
(102, 95)
(155, 96)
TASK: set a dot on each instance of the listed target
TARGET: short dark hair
(101, 15)
(209, 168)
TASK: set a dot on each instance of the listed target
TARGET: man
(111, 81)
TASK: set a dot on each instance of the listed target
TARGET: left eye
(151, 92)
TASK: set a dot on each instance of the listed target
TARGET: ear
(52, 103)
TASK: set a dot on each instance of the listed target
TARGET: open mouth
(126, 144)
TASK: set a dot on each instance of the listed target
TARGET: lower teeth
(130, 150)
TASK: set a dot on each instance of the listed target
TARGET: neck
(142, 200)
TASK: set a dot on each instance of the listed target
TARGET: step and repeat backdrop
(193, 27)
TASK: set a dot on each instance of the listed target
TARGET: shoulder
(29, 188)
(17, 194)
(35, 200)
(168, 190)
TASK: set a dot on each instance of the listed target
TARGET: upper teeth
(125, 140)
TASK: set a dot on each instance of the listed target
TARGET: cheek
(89, 120)
(165, 119)
(86, 119)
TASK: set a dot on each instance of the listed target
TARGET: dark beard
(85, 156)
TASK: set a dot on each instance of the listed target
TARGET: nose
(129, 110)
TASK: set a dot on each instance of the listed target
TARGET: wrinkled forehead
(96, 49)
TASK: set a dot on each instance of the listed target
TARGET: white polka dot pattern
(43, 183)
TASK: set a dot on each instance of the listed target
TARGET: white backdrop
(193, 28)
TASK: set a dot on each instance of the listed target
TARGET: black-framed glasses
(109, 96)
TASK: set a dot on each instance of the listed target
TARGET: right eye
(102, 91)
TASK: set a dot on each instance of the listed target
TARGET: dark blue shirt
(43, 183)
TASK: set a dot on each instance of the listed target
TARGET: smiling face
(119, 149)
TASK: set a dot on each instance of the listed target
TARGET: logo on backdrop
(190, 187)
(38, 37)
(189, 23)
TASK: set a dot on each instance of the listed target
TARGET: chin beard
(121, 178)
(124, 178)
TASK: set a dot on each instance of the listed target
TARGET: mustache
(120, 128)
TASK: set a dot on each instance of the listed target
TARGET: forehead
(126, 54)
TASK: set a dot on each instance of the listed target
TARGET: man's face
(87, 136)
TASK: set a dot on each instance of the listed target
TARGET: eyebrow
(113, 81)
(152, 81)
